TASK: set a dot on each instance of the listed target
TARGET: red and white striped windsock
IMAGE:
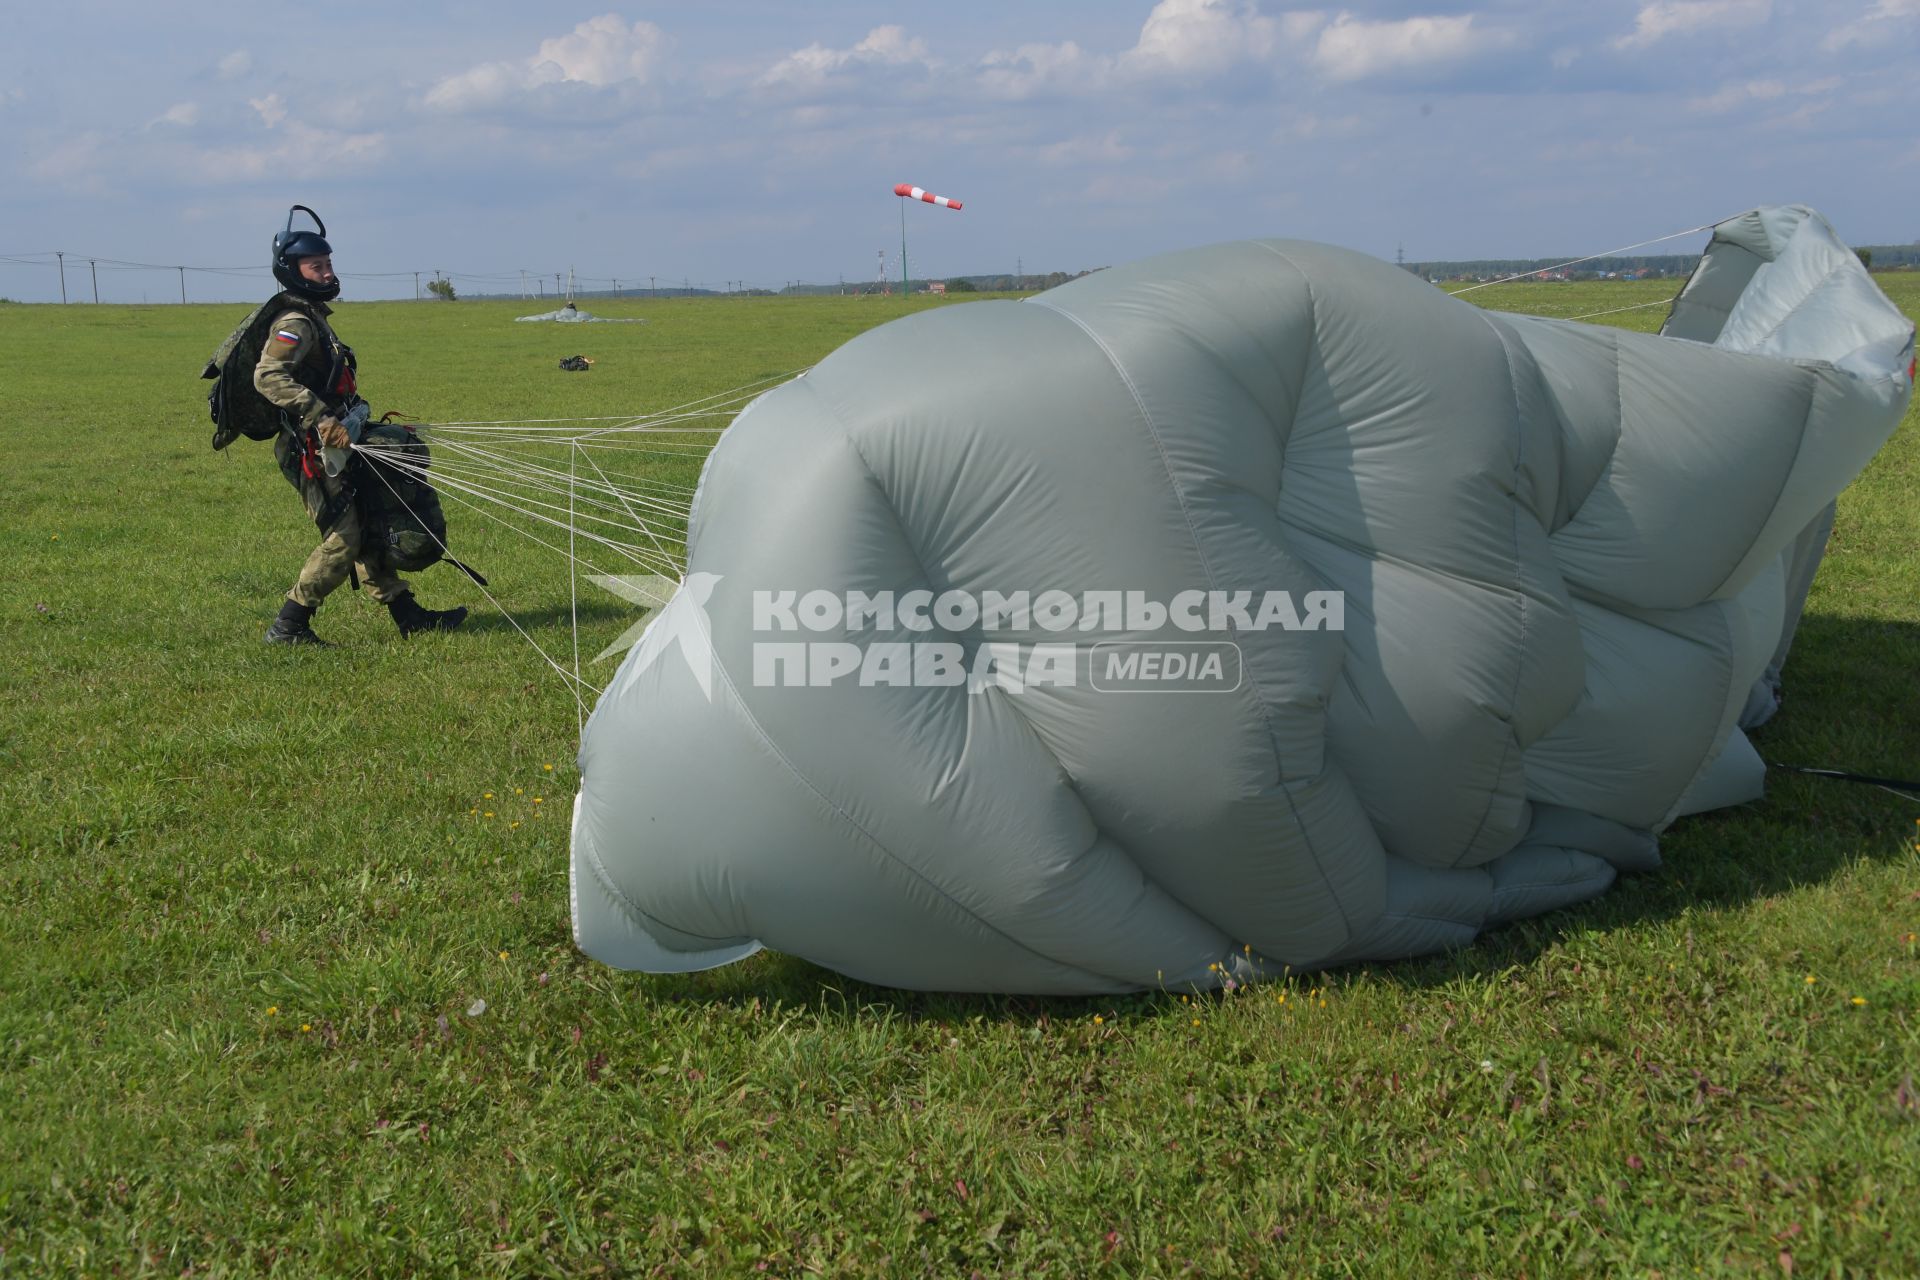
(912, 192)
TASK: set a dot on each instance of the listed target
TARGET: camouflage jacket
(304, 367)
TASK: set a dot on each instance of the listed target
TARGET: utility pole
(95, 273)
(650, 286)
(183, 285)
(416, 286)
(616, 286)
(63, 275)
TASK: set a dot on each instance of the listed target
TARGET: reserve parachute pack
(236, 407)
(399, 510)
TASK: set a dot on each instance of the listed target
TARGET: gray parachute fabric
(1569, 559)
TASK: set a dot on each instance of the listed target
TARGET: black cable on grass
(1899, 786)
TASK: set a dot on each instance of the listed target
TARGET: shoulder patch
(284, 335)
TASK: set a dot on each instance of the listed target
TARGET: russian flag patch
(287, 336)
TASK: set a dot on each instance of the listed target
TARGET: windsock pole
(907, 191)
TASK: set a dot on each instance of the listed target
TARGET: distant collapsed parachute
(1570, 556)
(571, 314)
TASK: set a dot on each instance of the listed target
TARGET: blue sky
(761, 141)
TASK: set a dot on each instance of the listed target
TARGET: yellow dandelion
(486, 795)
(1858, 1001)
(503, 955)
(539, 800)
(1196, 1022)
(489, 813)
(1811, 979)
(305, 1027)
(471, 812)
(519, 791)
(547, 767)
(1097, 1019)
(273, 1010)
(512, 826)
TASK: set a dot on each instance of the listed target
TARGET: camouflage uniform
(300, 370)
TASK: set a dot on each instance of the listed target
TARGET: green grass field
(254, 903)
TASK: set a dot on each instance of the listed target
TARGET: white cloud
(1180, 38)
(180, 113)
(1086, 149)
(235, 64)
(272, 109)
(1035, 68)
(298, 149)
(601, 52)
(1663, 18)
(1351, 49)
(1732, 96)
(80, 163)
(1737, 95)
(1867, 26)
(1201, 36)
(815, 65)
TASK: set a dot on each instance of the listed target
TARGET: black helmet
(289, 246)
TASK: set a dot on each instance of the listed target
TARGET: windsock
(912, 192)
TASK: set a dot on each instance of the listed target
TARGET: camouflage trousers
(341, 545)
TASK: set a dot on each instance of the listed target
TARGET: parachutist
(307, 373)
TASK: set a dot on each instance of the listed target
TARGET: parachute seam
(1186, 515)
(605, 879)
(1786, 478)
(1512, 742)
(836, 810)
(1789, 313)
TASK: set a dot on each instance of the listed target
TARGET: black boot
(291, 627)
(410, 617)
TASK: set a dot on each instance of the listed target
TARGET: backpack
(237, 409)
(399, 510)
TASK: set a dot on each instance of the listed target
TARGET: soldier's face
(318, 269)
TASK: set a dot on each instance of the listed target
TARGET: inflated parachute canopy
(1568, 561)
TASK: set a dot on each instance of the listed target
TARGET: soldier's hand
(333, 435)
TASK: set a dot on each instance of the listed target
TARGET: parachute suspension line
(573, 592)
(477, 473)
(1589, 258)
(630, 513)
(564, 674)
(745, 390)
(454, 489)
(488, 493)
(538, 473)
(1638, 306)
